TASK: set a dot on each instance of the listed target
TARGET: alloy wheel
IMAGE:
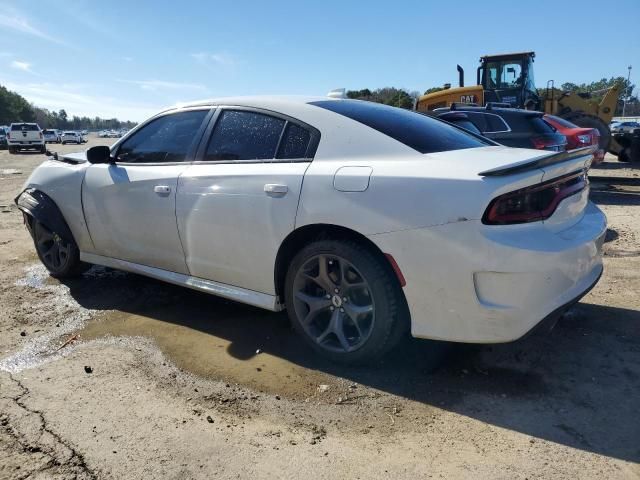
(54, 251)
(333, 303)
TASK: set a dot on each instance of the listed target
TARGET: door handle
(162, 189)
(275, 189)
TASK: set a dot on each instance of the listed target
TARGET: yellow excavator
(508, 79)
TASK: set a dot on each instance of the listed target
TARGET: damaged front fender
(41, 207)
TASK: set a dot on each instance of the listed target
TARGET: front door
(238, 202)
(129, 205)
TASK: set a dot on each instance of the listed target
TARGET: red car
(577, 136)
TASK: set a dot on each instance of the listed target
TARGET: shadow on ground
(577, 385)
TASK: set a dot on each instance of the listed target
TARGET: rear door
(130, 205)
(238, 201)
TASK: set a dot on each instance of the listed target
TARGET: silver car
(625, 127)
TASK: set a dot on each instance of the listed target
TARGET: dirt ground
(115, 375)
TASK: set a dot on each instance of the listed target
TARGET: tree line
(15, 108)
(399, 97)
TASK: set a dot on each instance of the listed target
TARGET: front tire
(60, 257)
(344, 301)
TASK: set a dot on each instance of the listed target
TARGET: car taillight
(584, 139)
(534, 203)
(548, 143)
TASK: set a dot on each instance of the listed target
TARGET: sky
(129, 59)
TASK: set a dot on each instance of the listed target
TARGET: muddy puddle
(228, 341)
(201, 334)
(223, 341)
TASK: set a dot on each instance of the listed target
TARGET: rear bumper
(469, 282)
(26, 143)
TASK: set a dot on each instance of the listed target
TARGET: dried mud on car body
(187, 385)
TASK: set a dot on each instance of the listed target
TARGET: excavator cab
(508, 79)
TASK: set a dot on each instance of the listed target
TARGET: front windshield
(504, 74)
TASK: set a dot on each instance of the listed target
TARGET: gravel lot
(184, 385)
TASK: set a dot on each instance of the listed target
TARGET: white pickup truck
(24, 136)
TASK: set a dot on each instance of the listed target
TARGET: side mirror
(99, 154)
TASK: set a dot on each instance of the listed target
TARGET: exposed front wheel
(61, 257)
(344, 301)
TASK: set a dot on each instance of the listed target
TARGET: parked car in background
(623, 127)
(71, 136)
(51, 136)
(508, 126)
(577, 137)
(25, 136)
(84, 133)
(3, 138)
(365, 221)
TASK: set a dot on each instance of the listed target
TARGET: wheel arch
(306, 234)
(39, 206)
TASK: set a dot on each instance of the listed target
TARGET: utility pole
(628, 93)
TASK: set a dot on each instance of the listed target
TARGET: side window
(468, 125)
(166, 139)
(244, 135)
(496, 124)
(479, 120)
(294, 143)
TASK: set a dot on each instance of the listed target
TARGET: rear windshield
(30, 127)
(561, 121)
(48, 131)
(420, 132)
(522, 122)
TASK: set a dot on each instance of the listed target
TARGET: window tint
(538, 125)
(243, 135)
(495, 123)
(467, 125)
(479, 120)
(29, 127)
(165, 139)
(294, 143)
(420, 132)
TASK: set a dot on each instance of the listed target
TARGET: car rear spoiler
(542, 161)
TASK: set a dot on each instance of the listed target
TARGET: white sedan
(70, 137)
(364, 221)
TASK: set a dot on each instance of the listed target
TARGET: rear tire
(60, 257)
(344, 301)
(591, 121)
